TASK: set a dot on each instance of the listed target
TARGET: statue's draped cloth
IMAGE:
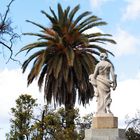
(103, 94)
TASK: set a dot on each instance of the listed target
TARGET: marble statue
(102, 82)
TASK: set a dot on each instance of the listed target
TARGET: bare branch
(8, 9)
(11, 53)
(7, 35)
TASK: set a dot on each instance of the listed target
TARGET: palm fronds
(65, 55)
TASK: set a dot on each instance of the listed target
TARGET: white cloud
(126, 43)
(98, 3)
(138, 75)
(93, 30)
(126, 97)
(132, 10)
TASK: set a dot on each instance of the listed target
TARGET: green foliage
(22, 116)
(66, 55)
(132, 134)
(52, 125)
(46, 124)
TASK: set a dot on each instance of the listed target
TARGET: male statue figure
(103, 84)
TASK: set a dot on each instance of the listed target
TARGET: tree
(52, 125)
(22, 118)
(66, 56)
(7, 34)
(133, 127)
(49, 125)
(132, 134)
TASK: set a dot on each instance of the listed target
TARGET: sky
(123, 18)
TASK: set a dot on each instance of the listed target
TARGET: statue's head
(103, 56)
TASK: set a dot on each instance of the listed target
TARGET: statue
(103, 84)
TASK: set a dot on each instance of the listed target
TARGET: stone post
(105, 127)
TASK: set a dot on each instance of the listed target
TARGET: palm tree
(66, 56)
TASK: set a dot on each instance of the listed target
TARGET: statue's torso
(104, 69)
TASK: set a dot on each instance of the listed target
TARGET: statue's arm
(92, 77)
(95, 74)
(114, 77)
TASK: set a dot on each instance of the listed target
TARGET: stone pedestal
(105, 134)
(105, 122)
(105, 127)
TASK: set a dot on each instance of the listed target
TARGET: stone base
(105, 122)
(105, 134)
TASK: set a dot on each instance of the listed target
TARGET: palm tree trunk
(69, 109)
(69, 116)
(42, 125)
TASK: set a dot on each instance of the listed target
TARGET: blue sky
(123, 18)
